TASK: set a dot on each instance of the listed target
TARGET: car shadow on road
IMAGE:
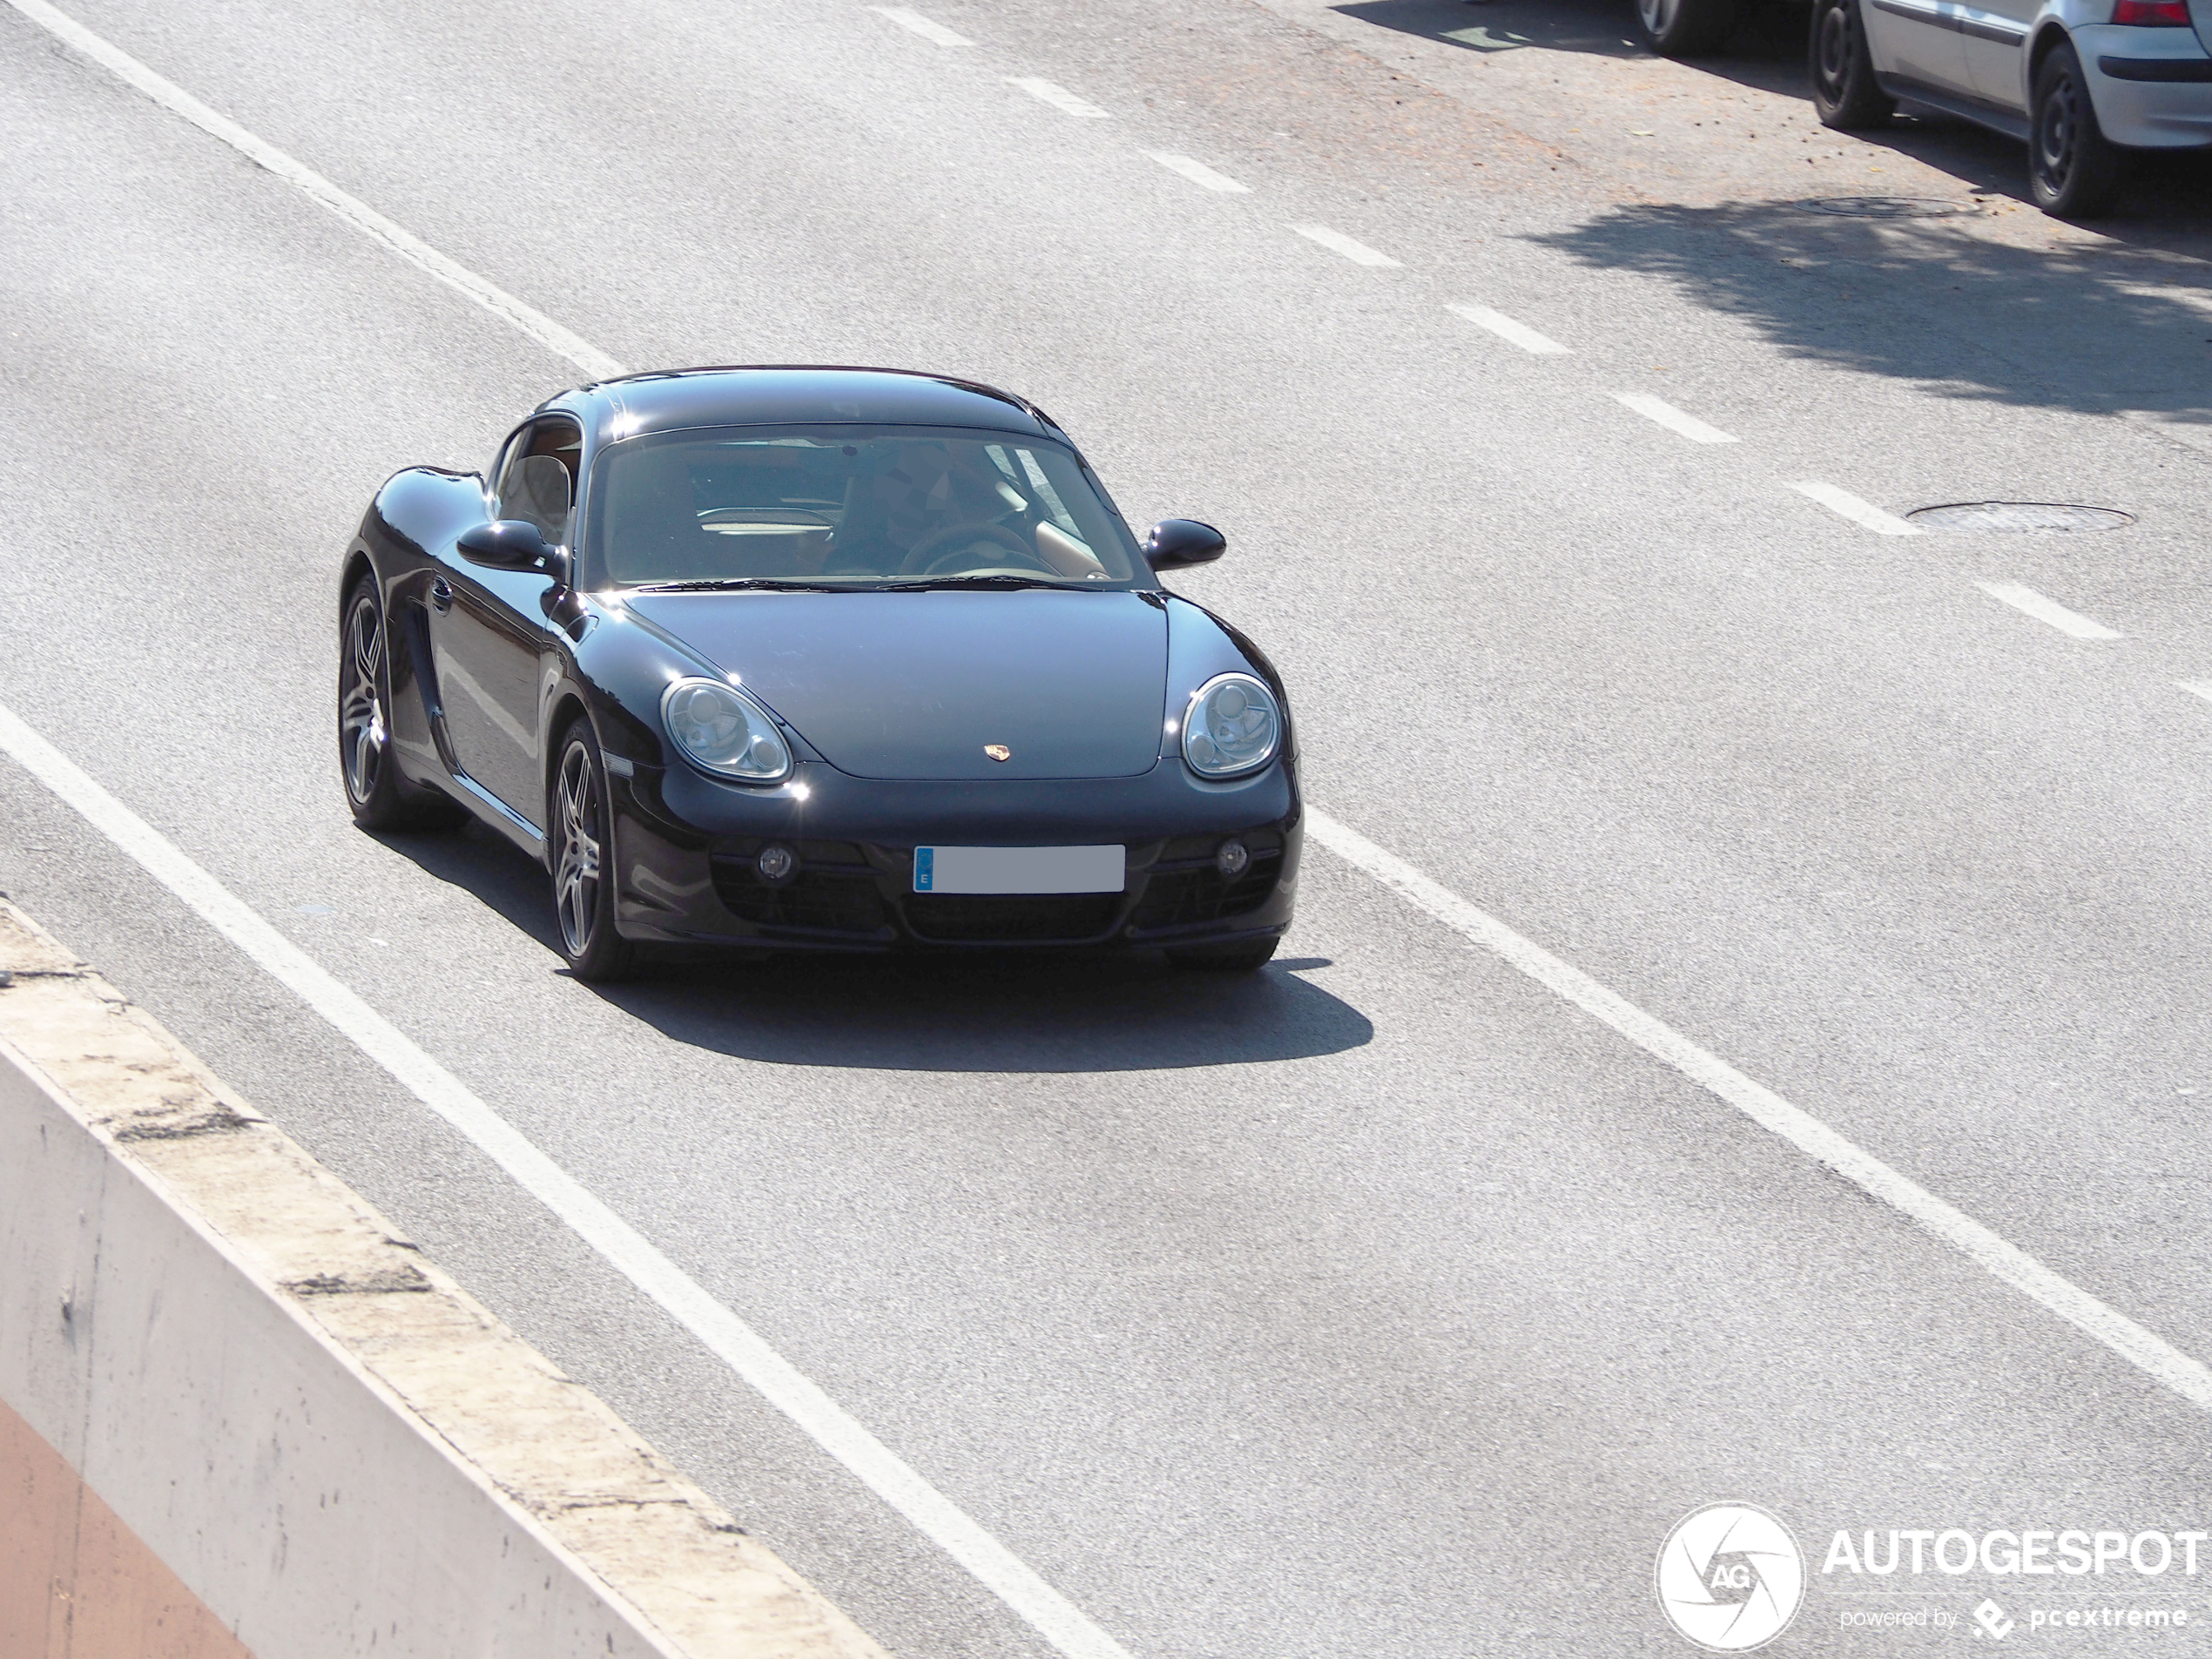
(991, 1013)
(1767, 51)
(987, 1012)
(2102, 329)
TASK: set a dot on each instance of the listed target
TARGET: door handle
(441, 595)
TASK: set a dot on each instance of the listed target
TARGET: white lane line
(1337, 242)
(1058, 96)
(2047, 610)
(1654, 408)
(2167, 1364)
(2196, 688)
(359, 214)
(1860, 512)
(1506, 328)
(928, 29)
(1058, 1620)
(1052, 1616)
(1198, 173)
(1044, 1609)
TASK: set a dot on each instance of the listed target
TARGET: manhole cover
(2019, 517)
(1886, 206)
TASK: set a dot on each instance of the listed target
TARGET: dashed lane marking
(2196, 688)
(928, 28)
(1504, 328)
(2132, 1342)
(1059, 97)
(1063, 1625)
(1198, 173)
(1860, 512)
(1655, 408)
(2050, 611)
(1337, 242)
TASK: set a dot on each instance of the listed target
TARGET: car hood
(916, 684)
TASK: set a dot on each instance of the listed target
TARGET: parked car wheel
(373, 791)
(581, 826)
(2073, 171)
(1845, 92)
(1686, 27)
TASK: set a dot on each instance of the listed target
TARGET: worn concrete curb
(331, 1446)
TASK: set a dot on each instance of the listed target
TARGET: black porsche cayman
(823, 658)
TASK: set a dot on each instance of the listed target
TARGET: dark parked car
(827, 659)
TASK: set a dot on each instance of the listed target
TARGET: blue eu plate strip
(925, 870)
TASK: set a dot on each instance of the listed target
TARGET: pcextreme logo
(1730, 1577)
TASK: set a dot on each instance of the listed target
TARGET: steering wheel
(927, 556)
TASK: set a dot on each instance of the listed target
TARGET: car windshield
(859, 506)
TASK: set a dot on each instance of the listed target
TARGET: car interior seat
(539, 492)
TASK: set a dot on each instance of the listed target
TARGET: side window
(537, 480)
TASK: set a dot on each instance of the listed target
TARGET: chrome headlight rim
(1242, 769)
(759, 718)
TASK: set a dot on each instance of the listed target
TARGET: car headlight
(725, 732)
(1233, 726)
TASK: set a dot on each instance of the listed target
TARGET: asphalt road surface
(1387, 1303)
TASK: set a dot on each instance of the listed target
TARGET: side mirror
(511, 545)
(1176, 542)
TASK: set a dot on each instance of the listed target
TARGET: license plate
(1020, 869)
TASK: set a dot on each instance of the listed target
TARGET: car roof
(801, 395)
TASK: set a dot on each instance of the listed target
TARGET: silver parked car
(2082, 80)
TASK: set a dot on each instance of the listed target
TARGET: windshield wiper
(745, 584)
(926, 584)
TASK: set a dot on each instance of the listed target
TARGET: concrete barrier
(241, 1416)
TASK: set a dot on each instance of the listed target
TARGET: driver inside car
(904, 505)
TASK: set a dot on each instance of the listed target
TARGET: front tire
(373, 791)
(1243, 956)
(1844, 93)
(1687, 28)
(2073, 171)
(581, 828)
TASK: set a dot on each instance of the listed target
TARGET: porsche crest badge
(998, 751)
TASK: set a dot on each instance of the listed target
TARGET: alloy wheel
(576, 875)
(1657, 16)
(361, 700)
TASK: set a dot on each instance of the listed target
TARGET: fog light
(1231, 859)
(777, 864)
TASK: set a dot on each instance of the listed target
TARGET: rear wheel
(1845, 92)
(582, 823)
(2073, 171)
(1244, 956)
(1686, 27)
(373, 790)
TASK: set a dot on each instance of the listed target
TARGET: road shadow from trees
(2086, 328)
(985, 1012)
(2166, 203)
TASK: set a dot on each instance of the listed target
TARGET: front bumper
(685, 851)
